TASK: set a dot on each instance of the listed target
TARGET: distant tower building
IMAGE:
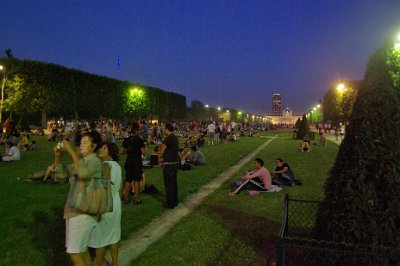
(276, 104)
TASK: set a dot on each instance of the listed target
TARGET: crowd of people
(94, 153)
(94, 156)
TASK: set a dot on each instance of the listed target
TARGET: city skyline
(222, 53)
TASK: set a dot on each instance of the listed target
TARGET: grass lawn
(241, 230)
(32, 225)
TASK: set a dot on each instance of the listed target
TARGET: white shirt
(211, 128)
(13, 154)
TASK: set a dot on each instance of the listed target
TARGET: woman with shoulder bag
(80, 226)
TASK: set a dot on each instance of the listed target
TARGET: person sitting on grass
(33, 145)
(321, 141)
(56, 171)
(283, 174)
(200, 141)
(305, 146)
(24, 142)
(12, 152)
(261, 180)
(198, 157)
(184, 155)
(154, 158)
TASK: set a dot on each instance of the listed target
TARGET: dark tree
(362, 203)
(9, 53)
(304, 128)
(196, 104)
(297, 124)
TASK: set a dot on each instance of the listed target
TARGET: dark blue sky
(224, 53)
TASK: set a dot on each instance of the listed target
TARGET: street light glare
(340, 87)
(397, 42)
(206, 106)
(219, 108)
(1, 67)
(318, 106)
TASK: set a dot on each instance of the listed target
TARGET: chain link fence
(295, 245)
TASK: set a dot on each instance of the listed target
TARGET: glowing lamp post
(340, 87)
(2, 93)
(397, 42)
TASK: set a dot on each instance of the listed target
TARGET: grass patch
(32, 227)
(241, 230)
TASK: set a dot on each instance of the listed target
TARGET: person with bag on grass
(108, 231)
(79, 225)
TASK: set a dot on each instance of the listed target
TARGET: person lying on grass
(259, 174)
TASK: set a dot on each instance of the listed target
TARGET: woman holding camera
(80, 226)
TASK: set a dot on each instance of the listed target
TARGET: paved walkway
(332, 137)
(138, 242)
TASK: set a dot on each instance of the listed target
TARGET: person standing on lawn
(108, 231)
(134, 148)
(170, 152)
(80, 226)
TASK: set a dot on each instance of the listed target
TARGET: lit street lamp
(397, 42)
(340, 87)
(2, 93)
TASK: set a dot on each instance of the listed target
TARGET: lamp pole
(2, 94)
(340, 88)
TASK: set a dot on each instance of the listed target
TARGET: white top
(116, 178)
(211, 128)
(108, 230)
(14, 154)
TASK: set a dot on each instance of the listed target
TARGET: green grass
(241, 230)
(32, 227)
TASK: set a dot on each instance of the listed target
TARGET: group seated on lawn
(260, 180)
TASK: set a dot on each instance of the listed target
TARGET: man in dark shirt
(134, 148)
(283, 173)
(169, 150)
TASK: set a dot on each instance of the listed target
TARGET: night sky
(223, 53)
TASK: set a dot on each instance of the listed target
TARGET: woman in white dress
(108, 231)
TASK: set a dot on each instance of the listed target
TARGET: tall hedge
(362, 203)
(56, 90)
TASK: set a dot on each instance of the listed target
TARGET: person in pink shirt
(259, 175)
